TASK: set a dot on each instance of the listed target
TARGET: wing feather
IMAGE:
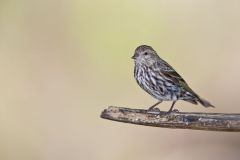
(170, 74)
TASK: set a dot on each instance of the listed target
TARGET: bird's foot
(175, 110)
(153, 110)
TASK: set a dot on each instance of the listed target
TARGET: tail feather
(205, 103)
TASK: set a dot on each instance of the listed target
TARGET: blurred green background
(63, 62)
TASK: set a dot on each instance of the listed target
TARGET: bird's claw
(175, 110)
(154, 110)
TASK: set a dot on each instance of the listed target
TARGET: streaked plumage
(160, 80)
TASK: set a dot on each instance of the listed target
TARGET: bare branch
(183, 120)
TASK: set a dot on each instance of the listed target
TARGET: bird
(160, 80)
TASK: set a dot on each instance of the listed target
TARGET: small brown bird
(160, 80)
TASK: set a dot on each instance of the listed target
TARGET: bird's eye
(145, 53)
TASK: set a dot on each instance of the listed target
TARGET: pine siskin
(160, 80)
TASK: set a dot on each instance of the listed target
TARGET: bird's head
(145, 55)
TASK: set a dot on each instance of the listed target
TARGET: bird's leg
(151, 108)
(170, 110)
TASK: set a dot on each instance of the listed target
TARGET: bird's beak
(133, 57)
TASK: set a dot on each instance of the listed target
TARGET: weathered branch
(183, 120)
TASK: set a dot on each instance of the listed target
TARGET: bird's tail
(205, 103)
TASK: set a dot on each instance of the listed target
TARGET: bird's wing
(173, 76)
(170, 74)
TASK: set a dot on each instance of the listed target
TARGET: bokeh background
(62, 62)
